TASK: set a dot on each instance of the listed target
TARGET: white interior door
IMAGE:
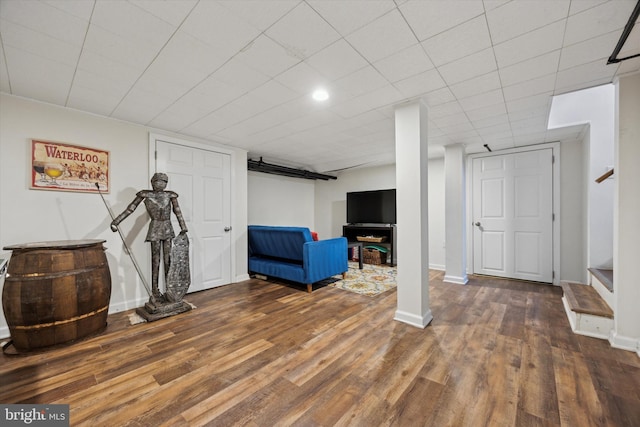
(202, 180)
(513, 215)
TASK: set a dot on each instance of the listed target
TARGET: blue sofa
(290, 253)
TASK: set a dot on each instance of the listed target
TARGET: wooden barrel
(56, 292)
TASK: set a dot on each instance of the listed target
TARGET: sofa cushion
(278, 242)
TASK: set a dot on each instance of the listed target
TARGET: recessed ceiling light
(320, 95)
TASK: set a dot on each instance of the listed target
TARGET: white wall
(572, 214)
(626, 332)
(331, 205)
(36, 215)
(279, 200)
(594, 106)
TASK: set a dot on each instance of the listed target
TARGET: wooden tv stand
(352, 231)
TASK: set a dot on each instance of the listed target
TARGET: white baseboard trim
(4, 332)
(241, 278)
(456, 279)
(127, 305)
(624, 343)
(438, 267)
(413, 320)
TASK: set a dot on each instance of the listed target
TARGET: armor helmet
(159, 176)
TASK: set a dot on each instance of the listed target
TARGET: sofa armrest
(324, 258)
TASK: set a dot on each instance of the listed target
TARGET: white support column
(454, 207)
(626, 223)
(412, 215)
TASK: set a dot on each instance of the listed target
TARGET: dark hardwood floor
(257, 353)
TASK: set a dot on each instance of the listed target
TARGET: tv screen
(376, 207)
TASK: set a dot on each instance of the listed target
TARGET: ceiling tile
(468, 67)
(168, 70)
(45, 19)
(132, 23)
(302, 32)
(428, 18)
(406, 63)
(458, 119)
(79, 8)
(386, 95)
(482, 100)
(259, 13)
(274, 93)
(587, 51)
(208, 96)
(37, 77)
(598, 20)
(477, 85)
(585, 73)
(117, 73)
(95, 99)
(39, 44)
(492, 4)
(337, 60)
(362, 81)
(102, 85)
(530, 45)
(141, 106)
(266, 56)
(527, 88)
(439, 96)
(502, 130)
(582, 5)
(530, 69)
(443, 110)
(239, 72)
(4, 76)
(458, 42)
(243, 77)
(219, 27)
(383, 37)
(348, 16)
(541, 101)
(119, 49)
(173, 12)
(518, 17)
(487, 112)
(496, 120)
(302, 78)
(629, 66)
(421, 84)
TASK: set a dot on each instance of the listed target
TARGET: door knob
(477, 224)
(227, 229)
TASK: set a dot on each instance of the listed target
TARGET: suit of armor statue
(159, 204)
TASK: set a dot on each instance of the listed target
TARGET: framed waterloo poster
(66, 167)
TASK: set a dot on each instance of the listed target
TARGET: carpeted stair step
(584, 299)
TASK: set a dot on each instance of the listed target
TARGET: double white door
(202, 180)
(513, 215)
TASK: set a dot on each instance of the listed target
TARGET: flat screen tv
(374, 207)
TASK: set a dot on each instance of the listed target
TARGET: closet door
(513, 215)
(202, 180)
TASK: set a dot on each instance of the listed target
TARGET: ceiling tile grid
(241, 72)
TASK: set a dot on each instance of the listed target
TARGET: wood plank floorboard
(259, 353)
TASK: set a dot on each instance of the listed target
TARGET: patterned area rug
(371, 280)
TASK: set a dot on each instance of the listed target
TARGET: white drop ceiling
(241, 72)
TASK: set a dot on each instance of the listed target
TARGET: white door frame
(555, 149)
(216, 149)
